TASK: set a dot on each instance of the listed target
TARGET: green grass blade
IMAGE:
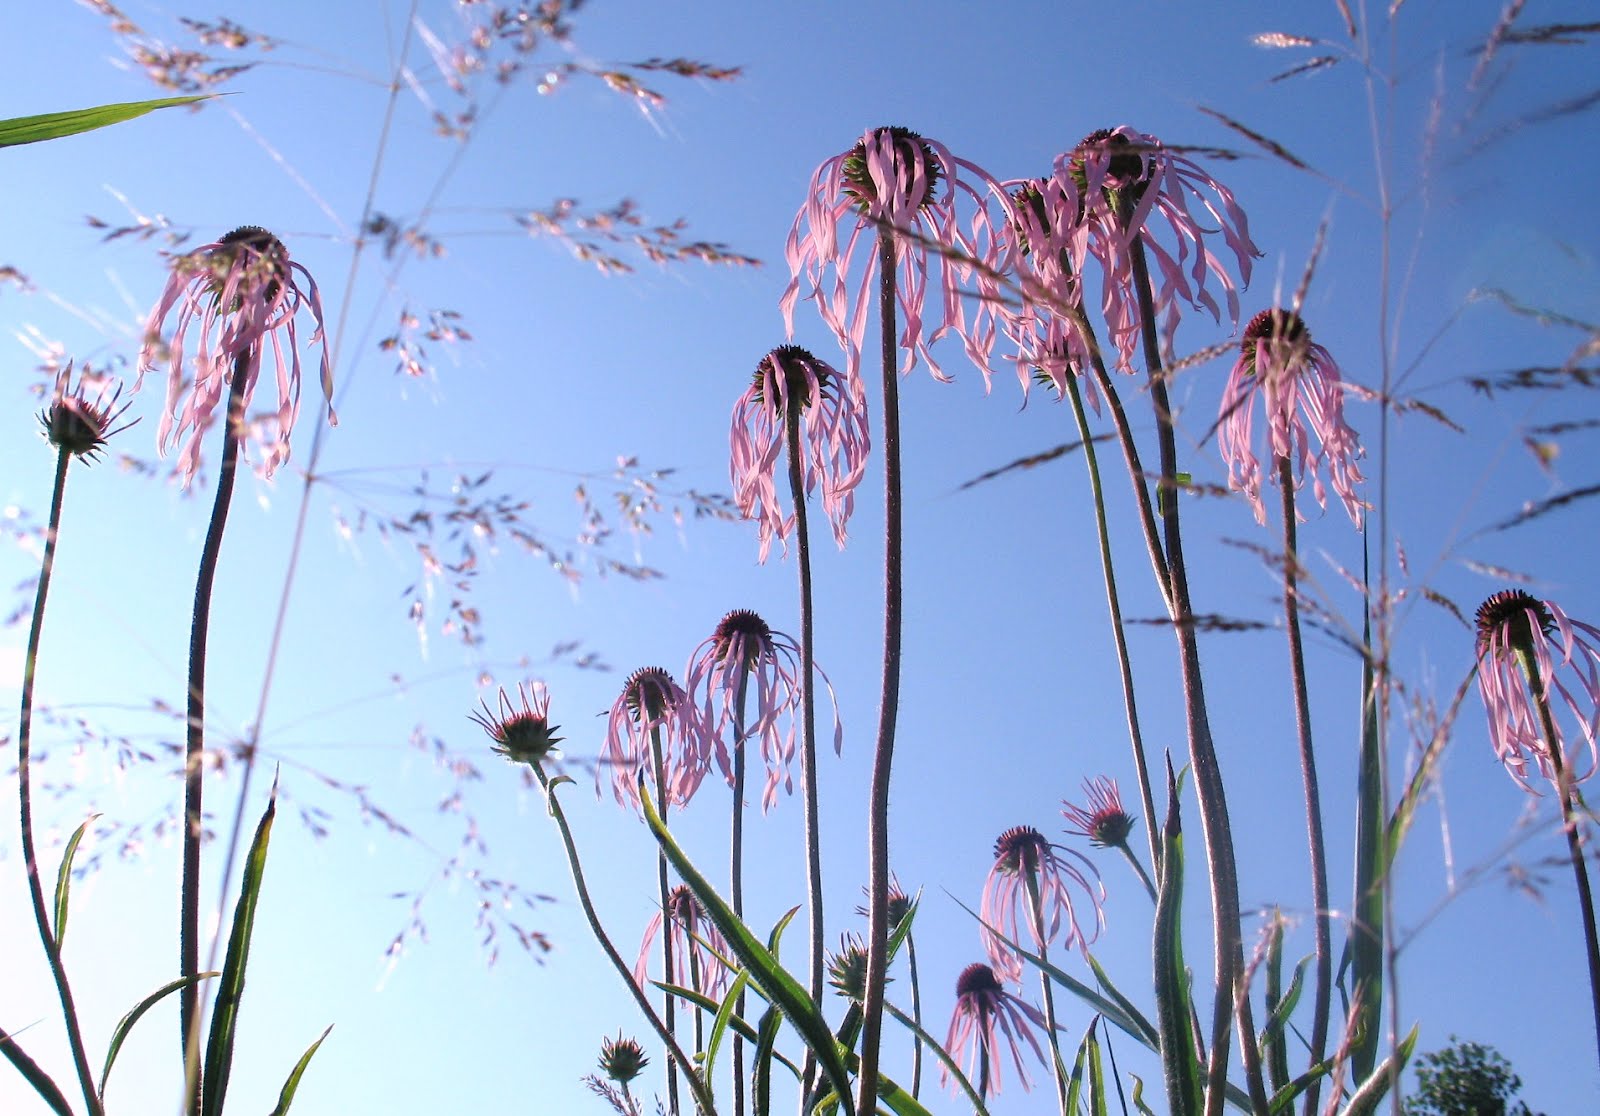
(1128, 1007)
(64, 877)
(1372, 861)
(286, 1096)
(1138, 1096)
(778, 986)
(1075, 1081)
(1365, 1100)
(119, 1033)
(1179, 1062)
(719, 1025)
(1097, 1075)
(53, 125)
(225, 1011)
(35, 1075)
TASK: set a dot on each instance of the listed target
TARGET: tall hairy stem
(808, 705)
(735, 865)
(30, 856)
(658, 765)
(195, 738)
(889, 701)
(1308, 771)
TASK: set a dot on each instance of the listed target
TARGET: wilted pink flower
(77, 423)
(1020, 854)
(1121, 169)
(833, 427)
(1041, 232)
(985, 1011)
(652, 706)
(745, 654)
(1103, 820)
(1300, 388)
(697, 947)
(1521, 638)
(238, 294)
(897, 178)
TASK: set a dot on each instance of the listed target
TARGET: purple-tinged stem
(658, 765)
(1308, 770)
(1036, 915)
(808, 709)
(30, 857)
(736, 868)
(195, 740)
(889, 701)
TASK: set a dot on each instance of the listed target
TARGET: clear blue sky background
(1010, 694)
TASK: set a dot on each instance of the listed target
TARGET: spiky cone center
(520, 735)
(252, 248)
(977, 980)
(1030, 197)
(80, 426)
(622, 1059)
(899, 907)
(1284, 332)
(910, 150)
(790, 363)
(1507, 613)
(1129, 170)
(1020, 849)
(847, 969)
(647, 692)
(684, 908)
(744, 630)
(1109, 828)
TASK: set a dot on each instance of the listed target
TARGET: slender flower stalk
(77, 426)
(240, 294)
(1522, 641)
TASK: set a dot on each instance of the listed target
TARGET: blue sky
(1010, 693)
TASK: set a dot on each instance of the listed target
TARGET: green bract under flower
(622, 1059)
(78, 424)
(522, 735)
(912, 154)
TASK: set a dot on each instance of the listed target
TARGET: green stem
(808, 707)
(949, 1063)
(889, 701)
(1036, 914)
(30, 857)
(702, 1092)
(1567, 791)
(1118, 635)
(736, 868)
(1308, 770)
(664, 889)
(916, 1015)
(195, 741)
(1144, 877)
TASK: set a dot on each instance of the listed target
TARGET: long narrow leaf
(1097, 1075)
(1185, 1081)
(119, 1033)
(1365, 1100)
(291, 1086)
(1075, 1082)
(1273, 1052)
(53, 125)
(779, 986)
(1128, 1007)
(719, 1025)
(35, 1075)
(1138, 1097)
(225, 1012)
(1372, 861)
(950, 1065)
(64, 876)
(761, 1058)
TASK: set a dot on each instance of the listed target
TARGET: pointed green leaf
(286, 1096)
(1364, 1101)
(1097, 1075)
(719, 1025)
(35, 1075)
(1372, 859)
(225, 1011)
(1179, 1063)
(119, 1033)
(1128, 1007)
(53, 125)
(64, 876)
(766, 973)
(1138, 1096)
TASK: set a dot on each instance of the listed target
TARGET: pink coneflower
(1521, 643)
(1103, 820)
(697, 947)
(1300, 387)
(239, 294)
(77, 423)
(833, 424)
(1023, 860)
(1124, 181)
(521, 735)
(1044, 222)
(653, 707)
(898, 179)
(985, 1011)
(745, 652)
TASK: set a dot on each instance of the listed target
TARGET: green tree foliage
(1466, 1079)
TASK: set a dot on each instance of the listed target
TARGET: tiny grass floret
(1302, 391)
(697, 947)
(984, 1013)
(1103, 820)
(1024, 860)
(81, 425)
(1530, 650)
(238, 294)
(652, 707)
(521, 735)
(833, 432)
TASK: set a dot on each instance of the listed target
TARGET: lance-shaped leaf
(225, 1012)
(53, 125)
(1372, 861)
(777, 984)
(35, 1075)
(119, 1033)
(1365, 1100)
(1184, 1077)
(291, 1086)
(64, 876)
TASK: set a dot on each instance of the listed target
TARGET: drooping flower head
(77, 423)
(1024, 862)
(239, 294)
(622, 1059)
(1103, 820)
(746, 657)
(521, 735)
(1530, 649)
(986, 1012)
(1302, 392)
(1044, 222)
(911, 185)
(653, 707)
(1127, 184)
(697, 947)
(833, 433)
